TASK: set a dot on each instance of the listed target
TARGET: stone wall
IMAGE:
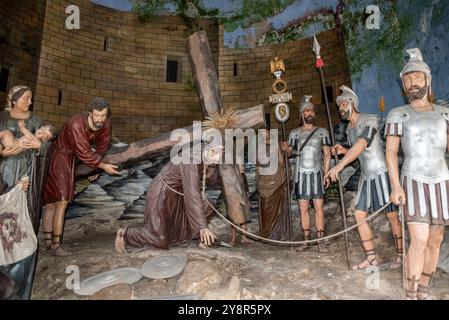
(21, 24)
(117, 57)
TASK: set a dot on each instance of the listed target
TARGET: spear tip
(316, 46)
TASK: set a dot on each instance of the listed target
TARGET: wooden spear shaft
(340, 186)
(287, 173)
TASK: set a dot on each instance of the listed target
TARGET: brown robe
(171, 219)
(74, 141)
(274, 221)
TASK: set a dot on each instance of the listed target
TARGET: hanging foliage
(188, 10)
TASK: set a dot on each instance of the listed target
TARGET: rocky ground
(247, 271)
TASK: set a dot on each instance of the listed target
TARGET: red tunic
(74, 141)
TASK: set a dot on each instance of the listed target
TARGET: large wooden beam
(206, 80)
(204, 72)
(149, 148)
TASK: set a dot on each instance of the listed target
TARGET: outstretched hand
(334, 173)
(110, 168)
(207, 237)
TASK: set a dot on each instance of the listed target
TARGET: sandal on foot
(411, 294)
(423, 293)
(369, 253)
(56, 247)
(399, 251)
(305, 246)
(48, 238)
(371, 262)
(424, 290)
(321, 244)
(59, 251)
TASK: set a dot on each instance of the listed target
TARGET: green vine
(188, 10)
(298, 31)
(147, 9)
(254, 11)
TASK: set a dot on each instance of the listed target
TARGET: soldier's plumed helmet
(305, 104)
(415, 64)
(350, 96)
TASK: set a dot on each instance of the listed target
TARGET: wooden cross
(206, 80)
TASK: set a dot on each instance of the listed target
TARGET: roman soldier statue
(374, 186)
(311, 146)
(421, 129)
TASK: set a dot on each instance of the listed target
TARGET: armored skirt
(373, 192)
(426, 202)
(309, 186)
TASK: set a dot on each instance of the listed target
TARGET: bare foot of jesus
(120, 241)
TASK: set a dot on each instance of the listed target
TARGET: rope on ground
(286, 243)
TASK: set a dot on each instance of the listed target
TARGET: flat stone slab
(101, 281)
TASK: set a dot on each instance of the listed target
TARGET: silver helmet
(415, 64)
(305, 104)
(350, 96)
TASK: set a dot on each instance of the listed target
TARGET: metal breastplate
(310, 159)
(424, 143)
(372, 160)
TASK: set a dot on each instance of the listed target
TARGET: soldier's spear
(320, 65)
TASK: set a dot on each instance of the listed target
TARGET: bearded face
(98, 118)
(416, 93)
(10, 231)
(309, 119)
(415, 85)
(309, 116)
(345, 110)
(347, 114)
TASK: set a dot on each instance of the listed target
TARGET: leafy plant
(188, 10)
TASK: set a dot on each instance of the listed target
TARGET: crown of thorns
(221, 120)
